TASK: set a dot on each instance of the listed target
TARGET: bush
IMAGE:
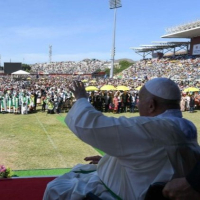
(5, 172)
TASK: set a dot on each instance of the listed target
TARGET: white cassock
(140, 151)
(24, 105)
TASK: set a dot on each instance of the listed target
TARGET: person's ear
(152, 106)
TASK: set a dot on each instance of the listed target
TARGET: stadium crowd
(86, 66)
(177, 69)
(51, 92)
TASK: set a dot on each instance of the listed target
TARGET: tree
(26, 67)
(123, 64)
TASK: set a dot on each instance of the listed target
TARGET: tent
(20, 72)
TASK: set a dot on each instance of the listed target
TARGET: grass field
(41, 141)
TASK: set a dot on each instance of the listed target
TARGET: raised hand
(93, 159)
(78, 89)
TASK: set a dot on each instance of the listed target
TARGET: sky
(79, 29)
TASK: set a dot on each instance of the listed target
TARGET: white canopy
(20, 72)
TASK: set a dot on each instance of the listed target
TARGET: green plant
(5, 172)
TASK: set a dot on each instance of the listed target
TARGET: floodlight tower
(114, 4)
(50, 53)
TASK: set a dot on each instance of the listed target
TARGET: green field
(41, 141)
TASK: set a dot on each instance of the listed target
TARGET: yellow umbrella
(138, 88)
(28, 78)
(84, 81)
(92, 81)
(91, 88)
(173, 61)
(191, 89)
(122, 87)
(108, 87)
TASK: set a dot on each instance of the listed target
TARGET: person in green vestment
(16, 104)
(9, 103)
(50, 107)
(3, 103)
(1, 94)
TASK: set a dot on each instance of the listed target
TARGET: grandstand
(191, 31)
(85, 66)
(191, 48)
(161, 47)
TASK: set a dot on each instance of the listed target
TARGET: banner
(196, 49)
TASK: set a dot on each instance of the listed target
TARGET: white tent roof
(20, 72)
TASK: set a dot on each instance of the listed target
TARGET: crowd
(51, 92)
(23, 96)
(176, 69)
(86, 66)
(54, 97)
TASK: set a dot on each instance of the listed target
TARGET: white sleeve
(114, 136)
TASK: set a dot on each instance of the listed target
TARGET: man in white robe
(156, 147)
(24, 103)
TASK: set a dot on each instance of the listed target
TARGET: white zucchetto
(163, 88)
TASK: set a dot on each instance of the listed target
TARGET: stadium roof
(189, 30)
(159, 46)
